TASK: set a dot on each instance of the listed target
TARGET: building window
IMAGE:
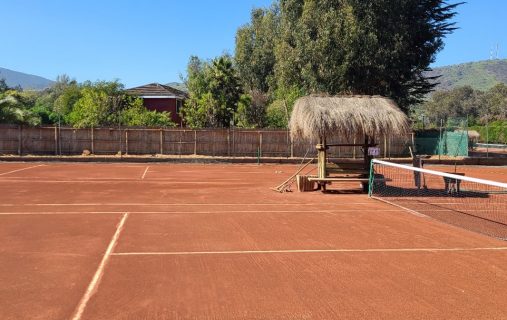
(178, 106)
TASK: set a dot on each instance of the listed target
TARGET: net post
(370, 181)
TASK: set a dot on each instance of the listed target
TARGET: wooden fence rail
(22, 140)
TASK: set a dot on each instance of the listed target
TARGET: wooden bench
(323, 181)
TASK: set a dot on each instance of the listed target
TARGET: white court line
(333, 212)
(145, 171)
(380, 250)
(39, 165)
(92, 287)
(177, 204)
(117, 181)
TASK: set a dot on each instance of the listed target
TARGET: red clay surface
(213, 242)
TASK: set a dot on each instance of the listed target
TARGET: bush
(496, 133)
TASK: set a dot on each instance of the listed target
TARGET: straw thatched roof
(348, 116)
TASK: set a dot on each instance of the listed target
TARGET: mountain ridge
(480, 75)
(24, 80)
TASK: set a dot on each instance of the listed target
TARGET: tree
(494, 102)
(14, 108)
(3, 85)
(251, 112)
(215, 92)
(255, 49)
(135, 114)
(350, 46)
(461, 102)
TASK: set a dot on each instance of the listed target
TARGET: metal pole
(487, 136)
(260, 144)
(119, 130)
(56, 140)
(195, 141)
(440, 139)
(59, 136)
(126, 141)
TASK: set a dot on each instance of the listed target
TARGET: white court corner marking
(145, 172)
(92, 287)
(8, 172)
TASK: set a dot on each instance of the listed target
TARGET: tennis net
(471, 203)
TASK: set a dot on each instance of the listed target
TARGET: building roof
(157, 90)
(350, 116)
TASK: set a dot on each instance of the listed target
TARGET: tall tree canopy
(255, 49)
(346, 46)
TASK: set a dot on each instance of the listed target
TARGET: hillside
(480, 75)
(24, 80)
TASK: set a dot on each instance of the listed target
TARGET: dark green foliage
(251, 111)
(14, 108)
(463, 102)
(362, 46)
(255, 49)
(494, 132)
(215, 92)
(80, 105)
(373, 47)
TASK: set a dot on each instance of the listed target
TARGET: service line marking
(145, 171)
(39, 165)
(92, 287)
(380, 250)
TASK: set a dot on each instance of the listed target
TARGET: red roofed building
(160, 98)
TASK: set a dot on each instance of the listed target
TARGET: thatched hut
(318, 118)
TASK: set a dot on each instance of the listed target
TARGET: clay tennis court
(212, 241)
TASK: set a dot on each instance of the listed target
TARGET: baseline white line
(39, 165)
(333, 212)
(133, 180)
(145, 171)
(109, 180)
(381, 250)
(92, 287)
(177, 204)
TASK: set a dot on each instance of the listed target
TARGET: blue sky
(146, 41)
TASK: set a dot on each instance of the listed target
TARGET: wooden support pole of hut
(322, 158)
